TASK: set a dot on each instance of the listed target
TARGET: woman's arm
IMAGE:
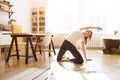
(84, 51)
(91, 27)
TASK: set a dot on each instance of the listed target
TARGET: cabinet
(6, 7)
(112, 45)
(38, 20)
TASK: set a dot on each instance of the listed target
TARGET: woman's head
(87, 34)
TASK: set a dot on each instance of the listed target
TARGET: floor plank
(103, 66)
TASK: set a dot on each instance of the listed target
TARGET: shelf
(7, 4)
(5, 10)
(9, 12)
(34, 13)
(5, 32)
(41, 18)
(38, 20)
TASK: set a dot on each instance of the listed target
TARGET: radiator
(95, 42)
(58, 39)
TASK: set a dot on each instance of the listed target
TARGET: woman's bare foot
(88, 59)
(65, 59)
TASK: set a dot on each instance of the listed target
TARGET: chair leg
(43, 55)
(49, 50)
(40, 50)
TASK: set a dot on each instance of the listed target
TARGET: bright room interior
(61, 17)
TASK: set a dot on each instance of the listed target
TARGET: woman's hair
(86, 38)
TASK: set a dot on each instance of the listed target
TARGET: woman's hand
(99, 28)
(88, 59)
(91, 27)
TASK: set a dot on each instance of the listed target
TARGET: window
(64, 16)
(105, 13)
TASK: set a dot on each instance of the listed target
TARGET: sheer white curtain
(104, 13)
(64, 16)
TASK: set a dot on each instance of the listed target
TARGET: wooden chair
(16, 28)
(5, 47)
(45, 44)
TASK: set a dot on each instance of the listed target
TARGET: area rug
(32, 74)
(47, 74)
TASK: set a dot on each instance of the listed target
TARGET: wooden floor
(102, 67)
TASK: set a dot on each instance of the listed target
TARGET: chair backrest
(47, 39)
(16, 28)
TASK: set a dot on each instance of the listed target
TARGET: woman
(70, 44)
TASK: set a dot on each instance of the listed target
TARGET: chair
(16, 28)
(45, 44)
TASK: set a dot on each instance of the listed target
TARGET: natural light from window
(64, 16)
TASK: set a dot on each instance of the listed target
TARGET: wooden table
(28, 40)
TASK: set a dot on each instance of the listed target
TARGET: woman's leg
(68, 46)
(78, 58)
(62, 51)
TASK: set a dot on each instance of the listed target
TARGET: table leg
(49, 49)
(38, 41)
(16, 45)
(53, 47)
(26, 60)
(36, 44)
(9, 52)
(34, 54)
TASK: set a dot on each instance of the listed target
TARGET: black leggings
(68, 46)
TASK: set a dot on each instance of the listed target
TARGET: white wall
(39, 3)
(22, 13)
(3, 18)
